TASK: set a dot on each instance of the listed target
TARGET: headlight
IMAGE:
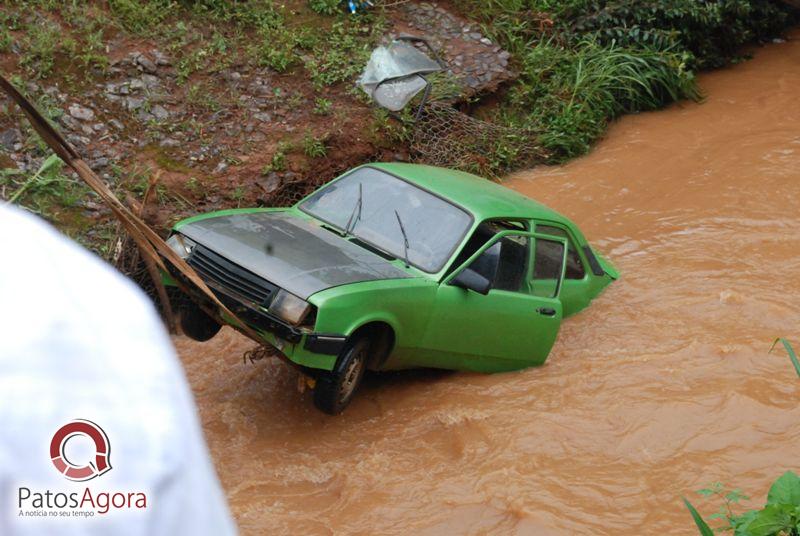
(181, 245)
(289, 307)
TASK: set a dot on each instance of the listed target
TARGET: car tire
(197, 324)
(335, 389)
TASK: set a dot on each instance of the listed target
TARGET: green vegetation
(569, 93)
(779, 517)
(790, 351)
(48, 192)
(585, 62)
(322, 106)
(581, 63)
(313, 146)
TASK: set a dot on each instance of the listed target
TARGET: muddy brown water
(661, 386)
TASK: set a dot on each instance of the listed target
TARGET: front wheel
(334, 390)
(197, 324)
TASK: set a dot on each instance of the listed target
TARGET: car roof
(484, 198)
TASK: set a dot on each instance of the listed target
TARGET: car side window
(547, 265)
(505, 263)
(575, 269)
(513, 263)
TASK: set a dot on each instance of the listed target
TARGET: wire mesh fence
(444, 136)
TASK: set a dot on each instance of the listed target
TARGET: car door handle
(546, 311)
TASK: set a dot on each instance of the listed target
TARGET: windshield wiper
(357, 208)
(405, 236)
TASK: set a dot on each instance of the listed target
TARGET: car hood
(289, 251)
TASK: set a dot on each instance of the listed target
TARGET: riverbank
(252, 103)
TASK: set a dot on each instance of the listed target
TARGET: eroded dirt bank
(660, 387)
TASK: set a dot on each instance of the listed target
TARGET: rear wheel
(335, 389)
(197, 324)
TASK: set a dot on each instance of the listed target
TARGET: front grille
(230, 278)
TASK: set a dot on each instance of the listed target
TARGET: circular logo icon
(92, 468)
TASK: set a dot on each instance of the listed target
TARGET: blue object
(355, 5)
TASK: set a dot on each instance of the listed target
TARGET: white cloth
(80, 341)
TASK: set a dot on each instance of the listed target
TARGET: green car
(394, 266)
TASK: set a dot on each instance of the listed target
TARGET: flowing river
(662, 385)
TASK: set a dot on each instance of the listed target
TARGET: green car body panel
(433, 322)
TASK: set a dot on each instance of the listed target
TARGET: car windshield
(380, 209)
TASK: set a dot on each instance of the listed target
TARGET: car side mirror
(471, 280)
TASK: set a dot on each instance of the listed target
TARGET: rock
(221, 167)
(99, 163)
(116, 124)
(134, 103)
(9, 138)
(69, 122)
(159, 112)
(143, 63)
(86, 129)
(160, 58)
(99, 127)
(260, 87)
(263, 117)
(169, 142)
(80, 112)
(270, 183)
(136, 84)
(231, 76)
(486, 41)
(150, 81)
(78, 141)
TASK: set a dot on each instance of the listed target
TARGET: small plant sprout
(322, 106)
(314, 146)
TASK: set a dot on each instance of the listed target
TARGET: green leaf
(702, 526)
(785, 490)
(771, 520)
(789, 350)
(736, 495)
(739, 523)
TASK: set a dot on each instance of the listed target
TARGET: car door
(576, 290)
(516, 323)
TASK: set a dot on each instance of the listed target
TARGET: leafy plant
(278, 161)
(326, 7)
(322, 106)
(779, 517)
(313, 146)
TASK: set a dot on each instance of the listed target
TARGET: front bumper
(301, 347)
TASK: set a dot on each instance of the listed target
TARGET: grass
(569, 94)
(48, 192)
(585, 62)
(790, 351)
